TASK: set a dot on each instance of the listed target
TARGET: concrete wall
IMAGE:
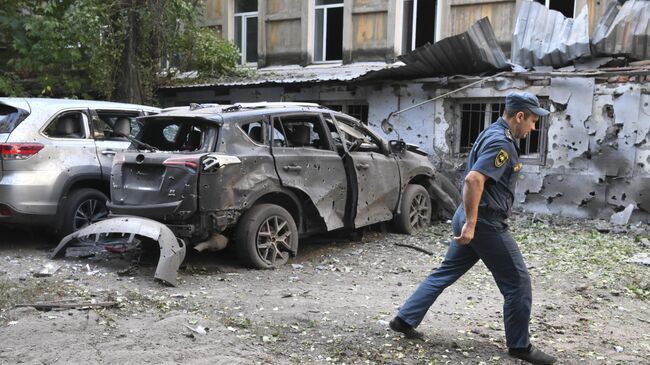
(598, 159)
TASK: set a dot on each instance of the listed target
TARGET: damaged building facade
(589, 158)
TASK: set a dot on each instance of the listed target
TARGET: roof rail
(266, 104)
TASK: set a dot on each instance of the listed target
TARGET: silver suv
(56, 157)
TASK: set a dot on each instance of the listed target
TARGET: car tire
(415, 210)
(266, 236)
(83, 207)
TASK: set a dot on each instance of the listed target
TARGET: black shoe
(398, 325)
(532, 355)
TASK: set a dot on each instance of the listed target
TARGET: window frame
(319, 122)
(547, 4)
(414, 24)
(132, 114)
(340, 118)
(263, 125)
(242, 32)
(345, 108)
(85, 116)
(325, 8)
(538, 158)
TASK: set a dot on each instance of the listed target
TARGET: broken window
(103, 125)
(566, 7)
(299, 131)
(419, 24)
(475, 116)
(328, 40)
(353, 109)
(354, 134)
(254, 131)
(246, 30)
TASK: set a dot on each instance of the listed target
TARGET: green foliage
(210, 56)
(104, 49)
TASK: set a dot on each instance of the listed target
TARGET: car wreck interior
(177, 135)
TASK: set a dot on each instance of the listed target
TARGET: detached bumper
(172, 249)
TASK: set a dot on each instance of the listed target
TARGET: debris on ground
(48, 270)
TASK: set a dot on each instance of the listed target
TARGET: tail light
(19, 151)
(4, 211)
(192, 164)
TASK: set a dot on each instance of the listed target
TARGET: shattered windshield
(178, 134)
(10, 117)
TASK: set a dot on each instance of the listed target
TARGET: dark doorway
(334, 46)
(425, 28)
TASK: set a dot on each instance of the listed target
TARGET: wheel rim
(419, 211)
(89, 212)
(274, 241)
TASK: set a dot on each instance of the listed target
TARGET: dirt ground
(331, 304)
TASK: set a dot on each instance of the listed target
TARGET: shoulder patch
(501, 158)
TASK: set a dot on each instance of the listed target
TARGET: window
(103, 126)
(254, 131)
(170, 132)
(476, 116)
(246, 30)
(419, 24)
(566, 7)
(299, 131)
(328, 40)
(10, 117)
(356, 110)
(356, 137)
(67, 125)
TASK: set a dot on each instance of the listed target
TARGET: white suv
(56, 157)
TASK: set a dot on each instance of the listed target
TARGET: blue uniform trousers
(499, 252)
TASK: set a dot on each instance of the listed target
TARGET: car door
(306, 160)
(375, 181)
(107, 141)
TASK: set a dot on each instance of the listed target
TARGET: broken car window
(177, 134)
(302, 131)
(170, 132)
(355, 135)
(112, 124)
(254, 131)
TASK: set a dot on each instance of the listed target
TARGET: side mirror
(397, 146)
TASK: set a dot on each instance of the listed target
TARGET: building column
(307, 27)
(395, 23)
(347, 31)
(261, 33)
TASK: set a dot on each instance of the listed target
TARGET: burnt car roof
(224, 113)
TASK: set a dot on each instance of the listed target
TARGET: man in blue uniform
(481, 232)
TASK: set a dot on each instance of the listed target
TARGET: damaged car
(260, 176)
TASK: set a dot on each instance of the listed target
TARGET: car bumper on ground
(172, 249)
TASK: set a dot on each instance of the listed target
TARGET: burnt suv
(262, 175)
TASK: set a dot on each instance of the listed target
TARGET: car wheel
(82, 208)
(266, 236)
(415, 210)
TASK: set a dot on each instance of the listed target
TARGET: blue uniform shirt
(495, 155)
